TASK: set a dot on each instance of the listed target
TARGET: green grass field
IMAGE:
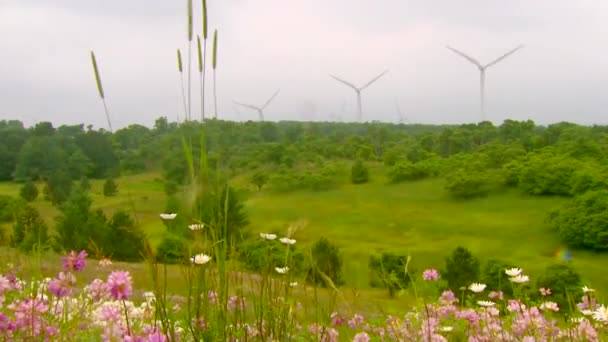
(415, 218)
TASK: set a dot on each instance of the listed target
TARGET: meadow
(412, 218)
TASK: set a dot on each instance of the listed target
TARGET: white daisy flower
(520, 279)
(486, 303)
(513, 272)
(268, 236)
(168, 217)
(477, 287)
(200, 259)
(287, 241)
(196, 226)
(282, 270)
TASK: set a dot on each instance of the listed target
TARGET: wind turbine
(482, 72)
(260, 110)
(358, 90)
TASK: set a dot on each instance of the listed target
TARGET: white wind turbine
(260, 110)
(358, 90)
(482, 73)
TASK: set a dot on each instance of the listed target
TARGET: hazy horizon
(265, 45)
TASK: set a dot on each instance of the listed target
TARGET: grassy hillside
(415, 218)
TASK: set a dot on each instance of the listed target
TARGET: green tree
(29, 191)
(469, 184)
(58, 187)
(359, 173)
(326, 263)
(461, 269)
(110, 188)
(123, 240)
(79, 165)
(259, 179)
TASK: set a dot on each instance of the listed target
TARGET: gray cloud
(293, 45)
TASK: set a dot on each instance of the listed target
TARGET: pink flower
(119, 283)
(74, 262)
(361, 337)
(448, 297)
(97, 290)
(62, 285)
(430, 275)
(545, 292)
(496, 295)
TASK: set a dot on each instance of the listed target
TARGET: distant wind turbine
(358, 90)
(399, 114)
(482, 73)
(260, 110)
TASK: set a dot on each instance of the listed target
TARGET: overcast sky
(560, 75)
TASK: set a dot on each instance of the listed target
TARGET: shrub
(172, 250)
(565, 285)
(388, 270)
(494, 276)
(583, 222)
(406, 171)
(359, 173)
(110, 188)
(58, 187)
(469, 184)
(462, 268)
(326, 263)
(544, 174)
(29, 191)
(7, 208)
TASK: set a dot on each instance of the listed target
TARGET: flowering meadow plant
(107, 309)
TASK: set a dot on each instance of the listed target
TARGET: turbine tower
(260, 110)
(482, 73)
(358, 90)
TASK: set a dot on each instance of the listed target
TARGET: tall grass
(181, 75)
(100, 89)
(214, 72)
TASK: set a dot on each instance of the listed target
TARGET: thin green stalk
(181, 75)
(100, 89)
(214, 71)
(190, 30)
(201, 68)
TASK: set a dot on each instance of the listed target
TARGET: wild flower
(430, 275)
(485, 303)
(287, 241)
(282, 270)
(268, 236)
(75, 262)
(361, 337)
(120, 284)
(448, 297)
(62, 285)
(513, 272)
(496, 295)
(196, 226)
(549, 306)
(477, 287)
(105, 262)
(446, 329)
(544, 292)
(168, 217)
(293, 284)
(520, 279)
(200, 259)
(601, 314)
(587, 289)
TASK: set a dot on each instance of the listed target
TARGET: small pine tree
(29, 230)
(359, 173)
(29, 191)
(110, 188)
(462, 269)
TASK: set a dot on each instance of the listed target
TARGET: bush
(58, 188)
(7, 208)
(544, 174)
(29, 191)
(326, 264)
(172, 250)
(565, 285)
(406, 171)
(388, 270)
(359, 173)
(110, 188)
(263, 255)
(469, 184)
(583, 222)
(29, 230)
(462, 269)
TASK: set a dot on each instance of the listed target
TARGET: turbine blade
(246, 105)
(344, 82)
(270, 99)
(464, 55)
(374, 80)
(503, 56)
